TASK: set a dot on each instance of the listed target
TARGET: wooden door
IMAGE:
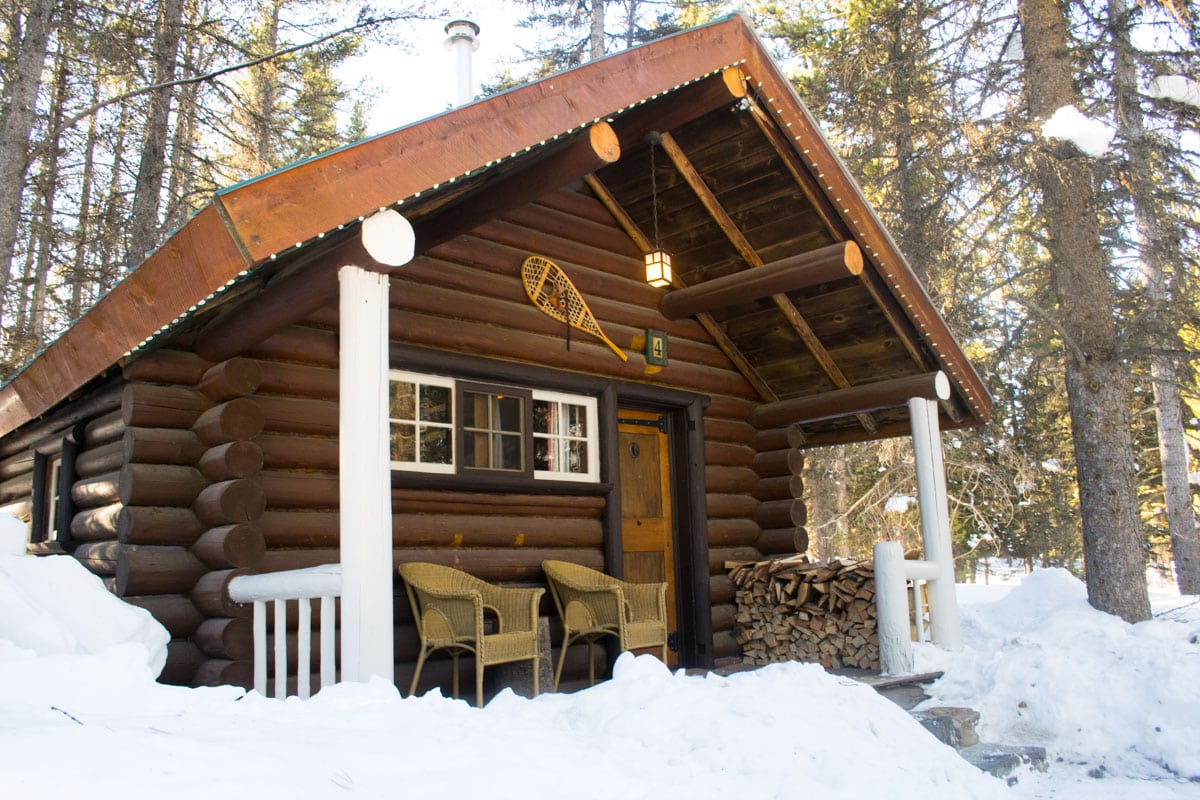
(647, 524)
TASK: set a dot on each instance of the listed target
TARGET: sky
(1115, 705)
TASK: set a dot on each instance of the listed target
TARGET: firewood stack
(792, 609)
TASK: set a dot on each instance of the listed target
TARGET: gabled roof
(755, 181)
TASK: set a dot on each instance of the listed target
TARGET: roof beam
(722, 340)
(295, 295)
(830, 263)
(751, 257)
(857, 400)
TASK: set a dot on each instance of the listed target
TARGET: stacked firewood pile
(792, 609)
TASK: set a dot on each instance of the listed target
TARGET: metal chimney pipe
(460, 37)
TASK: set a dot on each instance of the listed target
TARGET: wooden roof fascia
(197, 261)
(852, 208)
(714, 329)
(274, 213)
(727, 225)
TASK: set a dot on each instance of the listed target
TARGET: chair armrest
(646, 601)
(516, 609)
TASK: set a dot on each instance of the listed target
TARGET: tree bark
(1095, 375)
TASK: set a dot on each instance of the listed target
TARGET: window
(455, 427)
(47, 482)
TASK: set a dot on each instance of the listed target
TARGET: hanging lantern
(658, 268)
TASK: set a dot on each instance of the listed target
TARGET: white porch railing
(303, 586)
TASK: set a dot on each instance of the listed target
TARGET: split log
(183, 659)
(96, 524)
(146, 569)
(162, 446)
(160, 485)
(175, 612)
(225, 637)
(240, 545)
(291, 451)
(237, 500)
(147, 405)
(211, 594)
(236, 377)
(100, 490)
(158, 525)
(241, 459)
(101, 558)
(166, 366)
(98, 460)
(240, 418)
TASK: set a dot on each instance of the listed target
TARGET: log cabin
(347, 360)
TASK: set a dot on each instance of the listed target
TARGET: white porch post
(365, 472)
(935, 518)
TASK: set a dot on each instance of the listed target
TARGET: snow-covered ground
(1115, 705)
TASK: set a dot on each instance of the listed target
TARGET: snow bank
(1044, 667)
(1091, 136)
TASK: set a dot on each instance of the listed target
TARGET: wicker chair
(593, 604)
(449, 607)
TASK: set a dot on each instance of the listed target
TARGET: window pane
(403, 400)
(576, 420)
(435, 445)
(541, 454)
(508, 452)
(403, 442)
(508, 414)
(542, 416)
(435, 404)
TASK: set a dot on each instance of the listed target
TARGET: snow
(1104, 697)
(1179, 88)
(1091, 136)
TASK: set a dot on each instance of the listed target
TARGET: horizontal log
(103, 429)
(226, 380)
(300, 489)
(145, 569)
(226, 637)
(717, 556)
(422, 501)
(96, 524)
(732, 532)
(732, 480)
(855, 400)
(462, 530)
(728, 455)
(227, 502)
(731, 431)
(160, 485)
(211, 594)
(300, 380)
(297, 343)
(776, 541)
(147, 405)
(730, 505)
(721, 589)
(240, 459)
(98, 460)
(15, 487)
(299, 415)
(724, 616)
(20, 464)
(226, 546)
(165, 366)
(100, 558)
(490, 564)
(240, 418)
(780, 487)
(175, 612)
(778, 463)
(725, 646)
(775, 439)
(162, 446)
(801, 271)
(158, 525)
(299, 528)
(787, 513)
(183, 659)
(224, 672)
(99, 490)
(292, 451)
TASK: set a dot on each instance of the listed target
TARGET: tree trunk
(16, 130)
(1156, 251)
(147, 191)
(596, 37)
(1096, 379)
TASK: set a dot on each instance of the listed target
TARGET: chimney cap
(462, 30)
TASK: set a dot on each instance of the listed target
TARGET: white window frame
(591, 439)
(419, 378)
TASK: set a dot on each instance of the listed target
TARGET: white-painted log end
(389, 238)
